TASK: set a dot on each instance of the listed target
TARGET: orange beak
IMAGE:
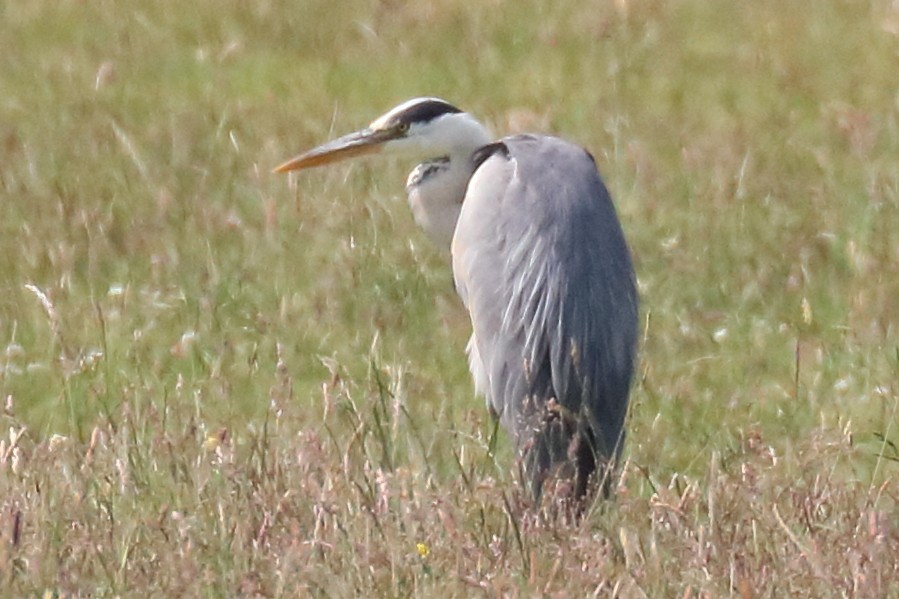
(359, 143)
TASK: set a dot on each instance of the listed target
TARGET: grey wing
(541, 263)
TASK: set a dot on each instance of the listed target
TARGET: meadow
(220, 382)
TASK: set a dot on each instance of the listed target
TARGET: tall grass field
(220, 382)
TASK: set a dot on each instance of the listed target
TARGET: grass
(220, 382)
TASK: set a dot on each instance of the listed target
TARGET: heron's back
(541, 262)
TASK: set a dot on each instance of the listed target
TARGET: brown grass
(152, 506)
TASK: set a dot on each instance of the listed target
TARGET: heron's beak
(365, 141)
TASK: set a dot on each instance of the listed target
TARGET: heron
(541, 263)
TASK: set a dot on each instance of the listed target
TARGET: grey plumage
(542, 265)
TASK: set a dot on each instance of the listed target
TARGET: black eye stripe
(423, 112)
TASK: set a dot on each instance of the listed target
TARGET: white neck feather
(436, 199)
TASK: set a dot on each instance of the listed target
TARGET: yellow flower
(211, 443)
(423, 549)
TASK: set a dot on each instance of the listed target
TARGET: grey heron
(541, 263)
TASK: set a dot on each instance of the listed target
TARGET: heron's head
(421, 128)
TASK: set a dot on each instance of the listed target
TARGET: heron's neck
(437, 187)
(463, 135)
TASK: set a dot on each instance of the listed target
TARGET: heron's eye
(403, 128)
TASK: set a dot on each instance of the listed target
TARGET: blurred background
(751, 150)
